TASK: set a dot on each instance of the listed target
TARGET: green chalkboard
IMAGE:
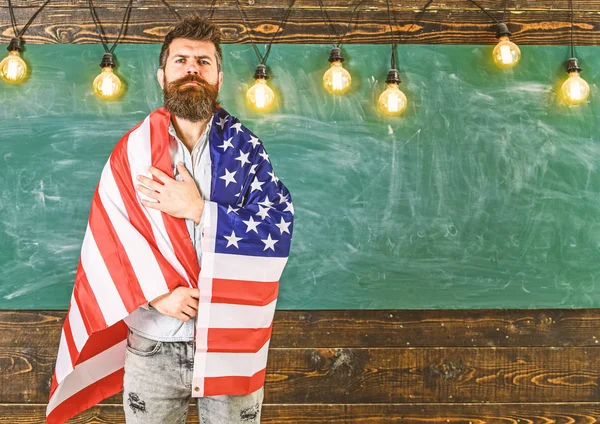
(485, 194)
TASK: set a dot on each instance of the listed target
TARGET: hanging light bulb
(107, 85)
(575, 90)
(13, 69)
(392, 101)
(506, 54)
(336, 80)
(260, 96)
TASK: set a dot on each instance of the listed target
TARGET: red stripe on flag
(102, 340)
(120, 167)
(91, 395)
(73, 352)
(236, 385)
(90, 311)
(176, 227)
(115, 257)
(247, 340)
(53, 384)
(244, 292)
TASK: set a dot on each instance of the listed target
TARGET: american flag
(132, 254)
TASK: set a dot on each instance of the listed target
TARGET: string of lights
(336, 80)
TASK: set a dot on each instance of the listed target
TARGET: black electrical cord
(263, 58)
(572, 25)
(177, 15)
(13, 20)
(415, 22)
(330, 26)
(100, 30)
(485, 11)
(393, 58)
(352, 17)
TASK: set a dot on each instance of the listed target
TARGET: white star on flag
(222, 122)
(226, 144)
(243, 158)
(269, 243)
(282, 198)
(266, 202)
(230, 209)
(254, 141)
(264, 155)
(233, 240)
(256, 185)
(263, 212)
(290, 207)
(274, 179)
(253, 169)
(252, 224)
(238, 127)
(228, 177)
(284, 226)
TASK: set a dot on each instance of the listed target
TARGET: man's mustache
(190, 78)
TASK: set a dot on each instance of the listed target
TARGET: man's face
(191, 80)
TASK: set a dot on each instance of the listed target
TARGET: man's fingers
(154, 185)
(195, 293)
(160, 175)
(150, 193)
(152, 205)
(185, 175)
(193, 303)
(189, 311)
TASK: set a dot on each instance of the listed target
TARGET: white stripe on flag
(145, 266)
(63, 360)
(78, 330)
(139, 152)
(225, 315)
(102, 285)
(236, 364)
(247, 268)
(89, 372)
(205, 285)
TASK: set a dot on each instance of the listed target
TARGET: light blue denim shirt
(148, 322)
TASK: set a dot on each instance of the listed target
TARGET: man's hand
(178, 199)
(181, 303)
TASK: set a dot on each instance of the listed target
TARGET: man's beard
(191, 102)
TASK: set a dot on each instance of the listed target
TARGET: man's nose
(193, 68)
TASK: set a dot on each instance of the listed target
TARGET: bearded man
(189, 232)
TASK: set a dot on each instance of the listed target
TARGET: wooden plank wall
(477, 366)
(446, 22)
(472, 366)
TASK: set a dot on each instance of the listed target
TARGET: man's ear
(160, 75)
(220, 80)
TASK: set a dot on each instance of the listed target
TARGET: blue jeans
(157, 387)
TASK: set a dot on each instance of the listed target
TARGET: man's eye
(205, 62)
(178, 60)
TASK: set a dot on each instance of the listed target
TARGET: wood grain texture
(372, 375)
(373, 328)
(446, 22)
(577, 413)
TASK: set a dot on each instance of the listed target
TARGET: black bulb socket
(502, 30)
(393, 77)
(336, 55)
(573, 65)
(108, 60)
(16, 44)
(261, 72)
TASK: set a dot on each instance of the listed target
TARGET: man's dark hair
(197, 28)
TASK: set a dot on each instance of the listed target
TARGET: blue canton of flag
(255, 210)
